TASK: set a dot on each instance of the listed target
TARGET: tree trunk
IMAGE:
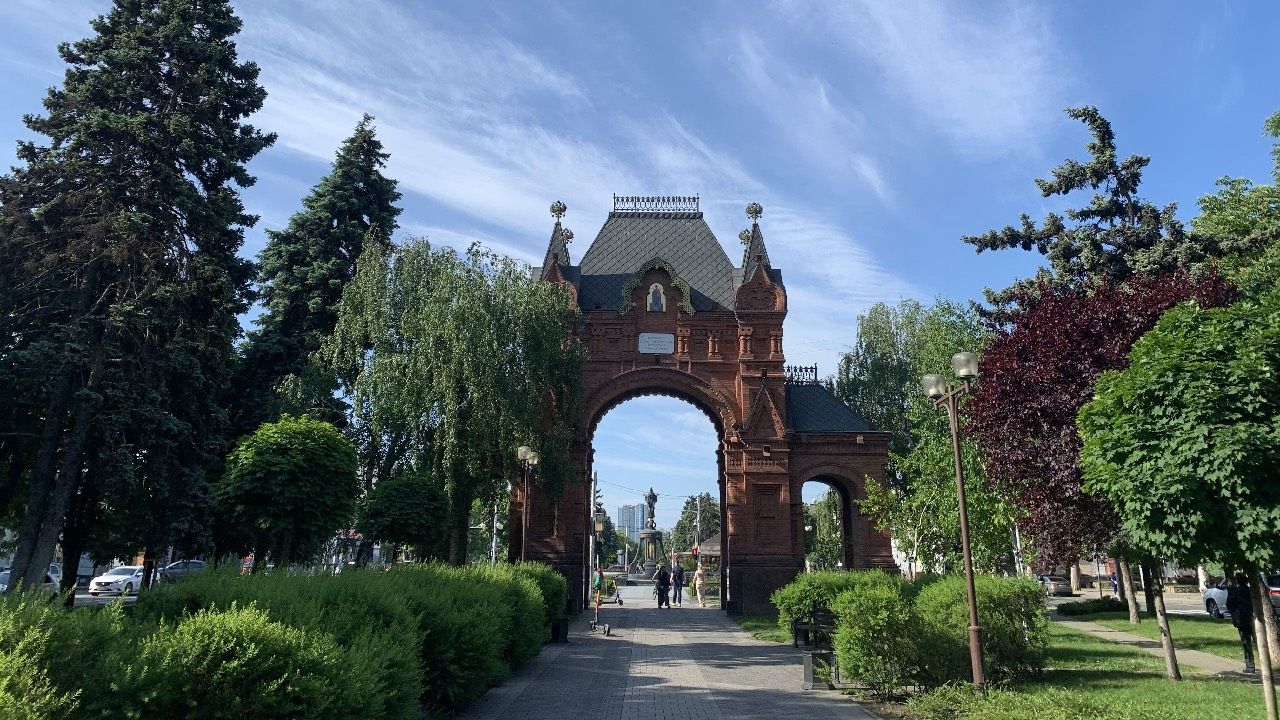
(1166, 640)
(1126, 584)
(75, 536)
(40, 488)
(1075, 577)
(1269, 622)
(1261, 605)
(148, 566)
(1148, 582)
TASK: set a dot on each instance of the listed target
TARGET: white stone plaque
(657, 343)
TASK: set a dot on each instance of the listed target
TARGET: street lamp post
(528, 458)
(945, 395)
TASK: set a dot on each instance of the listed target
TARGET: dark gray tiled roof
(628, 240)
(812, 408)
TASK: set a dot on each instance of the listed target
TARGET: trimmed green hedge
(417, 640)
(892, 634)
(1094, 605)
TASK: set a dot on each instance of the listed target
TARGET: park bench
(815, 630)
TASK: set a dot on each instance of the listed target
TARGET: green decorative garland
(656, 264)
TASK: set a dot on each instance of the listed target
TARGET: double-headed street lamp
(528, 458)
(945, 395)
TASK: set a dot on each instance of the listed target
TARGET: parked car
(55, 571)
(1215, 597)
(50, 586)
(1055, 585)
(122, 580)
(180, 569)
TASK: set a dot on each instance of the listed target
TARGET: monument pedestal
(652, 550)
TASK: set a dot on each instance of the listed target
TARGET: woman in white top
(699, 579)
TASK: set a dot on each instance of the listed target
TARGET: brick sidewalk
(669, 664)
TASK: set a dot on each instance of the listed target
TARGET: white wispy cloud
(990, 76)
(804, 111)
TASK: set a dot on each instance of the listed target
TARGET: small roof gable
(813, 408)
(557, 250)
(682, 239)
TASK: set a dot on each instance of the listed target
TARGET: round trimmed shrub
(238, 664)
(1014, 623)
(875, 639)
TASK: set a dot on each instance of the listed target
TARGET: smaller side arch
(852, 523)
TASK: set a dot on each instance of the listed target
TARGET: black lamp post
(945, 395)
(528, 458)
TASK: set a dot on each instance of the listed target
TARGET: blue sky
(874, 134)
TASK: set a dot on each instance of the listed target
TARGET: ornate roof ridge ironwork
(655, 203)
(802, 375)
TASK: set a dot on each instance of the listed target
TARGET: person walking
(699, 579)
(1240, 605)
(664, 586)
(677, 584)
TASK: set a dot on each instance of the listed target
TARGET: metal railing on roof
(802, 374)
(655, 203)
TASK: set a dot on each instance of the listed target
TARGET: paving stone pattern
(662, 664)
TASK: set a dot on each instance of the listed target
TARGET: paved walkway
(658, 664)
(1201, 661)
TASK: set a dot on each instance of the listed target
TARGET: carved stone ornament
(754, 211)
(745, 236)
(558, 209)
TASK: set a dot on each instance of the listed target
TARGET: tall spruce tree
(122, 283)
(304, 269)
(1118, 234)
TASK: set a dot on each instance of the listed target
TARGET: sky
(874, 134)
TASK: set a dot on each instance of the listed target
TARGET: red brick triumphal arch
(667, 313)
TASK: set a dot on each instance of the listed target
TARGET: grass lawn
(1089, 677)
(1205, 634)
(763, 627)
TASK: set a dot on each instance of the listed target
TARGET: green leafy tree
(1115, 236)
(406, 509)
(921, 511)
(304, 269)
(1246, 216)
(288, 488)
(878, 376)
(451, 362)
(682, 535)
(823, 539)
(121, 283)
(1185, 441)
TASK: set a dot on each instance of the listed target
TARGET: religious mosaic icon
(657, 298)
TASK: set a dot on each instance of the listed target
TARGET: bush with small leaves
(237, 664)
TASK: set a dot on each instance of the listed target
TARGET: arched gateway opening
(666, 312)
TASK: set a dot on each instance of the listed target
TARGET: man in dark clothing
(664, 586)
(1240, 605)
(677, 584)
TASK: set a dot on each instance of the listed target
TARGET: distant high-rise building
(631, 520)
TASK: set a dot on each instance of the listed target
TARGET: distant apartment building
(631, 520)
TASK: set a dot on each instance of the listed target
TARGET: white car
(50, 586)
(123, 580)
(1215, 600)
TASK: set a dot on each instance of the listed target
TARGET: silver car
(1055, 585)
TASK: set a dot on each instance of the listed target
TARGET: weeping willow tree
(449, 362)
